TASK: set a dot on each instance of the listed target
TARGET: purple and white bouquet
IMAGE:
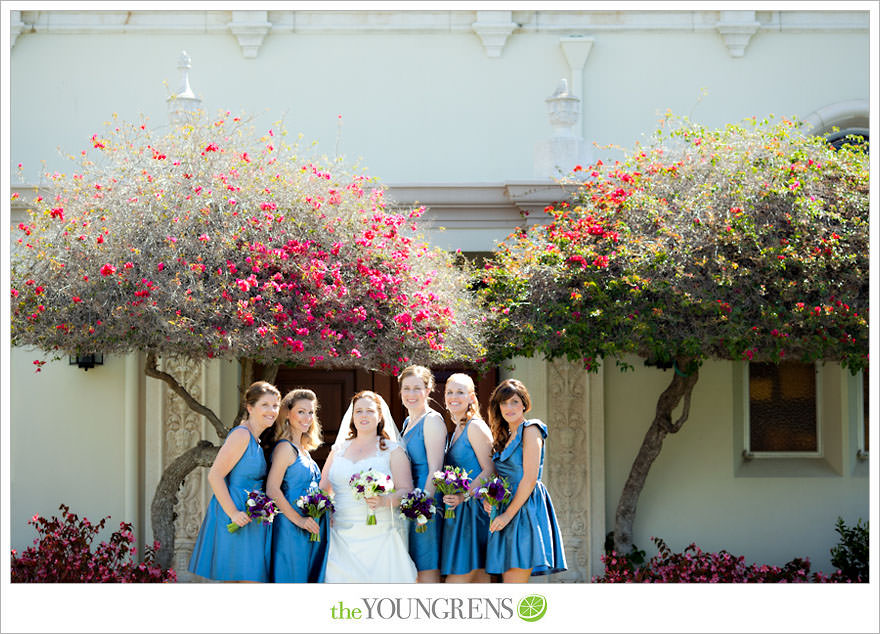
(315, 503)
(419, 507)
(368, 484)
(496, 492)
(452, 481)
(260, 507)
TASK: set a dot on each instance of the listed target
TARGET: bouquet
(451, 481)
(419, 507)
(259, 506)
(496, 492)
(370, 483)
(315, 503)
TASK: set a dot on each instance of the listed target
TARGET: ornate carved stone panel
(565, 464)
(182, 430)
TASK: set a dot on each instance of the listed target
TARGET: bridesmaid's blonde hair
(473, 408)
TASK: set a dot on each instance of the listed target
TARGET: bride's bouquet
(260, 507)
(368, 484)
(419, 507)
(315, 503)
(452, 481)
(496, 492)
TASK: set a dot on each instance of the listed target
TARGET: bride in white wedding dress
(358, 552)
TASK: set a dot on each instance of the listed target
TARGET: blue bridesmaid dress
(532, 539)
(424, 548)
(464, 536)
(242, 555)
(295, 559)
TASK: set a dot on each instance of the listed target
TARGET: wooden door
(335, 388)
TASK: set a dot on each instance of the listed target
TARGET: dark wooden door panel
(335, 388)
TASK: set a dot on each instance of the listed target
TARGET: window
(782, 411)
(866, 398)
(862, 453)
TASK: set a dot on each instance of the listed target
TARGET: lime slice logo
(532, 608)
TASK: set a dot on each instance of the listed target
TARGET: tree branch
(681, 386)
(686, 408)
(165, 499)
(270, 373)
(152, 370)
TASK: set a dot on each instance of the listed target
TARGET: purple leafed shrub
(62, 554)
(695, 566)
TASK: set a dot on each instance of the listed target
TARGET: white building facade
(465, 112)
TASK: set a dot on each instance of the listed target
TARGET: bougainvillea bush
(62, 553)
(214, 240)
(693, 565)
(748, 242)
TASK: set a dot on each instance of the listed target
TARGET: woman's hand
(487, 507)
(241, 518)
(374, 502)
(500, 522)
(308, 524)
(452, 500)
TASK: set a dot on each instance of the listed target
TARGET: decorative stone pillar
(182, 429)
(565, 465)
(736, 29)
(558, 155)
(184, 101)
(576, 49)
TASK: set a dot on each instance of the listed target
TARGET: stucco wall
(423, 105)
(695, 490)
(67, 443)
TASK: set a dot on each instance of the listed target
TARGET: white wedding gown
(361, 553)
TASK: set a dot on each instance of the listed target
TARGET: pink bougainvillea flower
(108, 269)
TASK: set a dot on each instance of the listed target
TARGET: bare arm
(435, 447)
(282, 457)
(401, 474)
(325, 474)
(228, 456)
(532, 442)
(480, 439)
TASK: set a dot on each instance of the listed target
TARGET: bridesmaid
(296, 559)
(524, 539)
(463, 556)
(240, 466)
(424, 435)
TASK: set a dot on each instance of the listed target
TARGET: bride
(358, 552)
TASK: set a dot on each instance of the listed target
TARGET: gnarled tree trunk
(681, 386)
(165, 498)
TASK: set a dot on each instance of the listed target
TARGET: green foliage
(850, 555)
(748, 242)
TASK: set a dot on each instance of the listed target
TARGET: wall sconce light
(86, 361)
